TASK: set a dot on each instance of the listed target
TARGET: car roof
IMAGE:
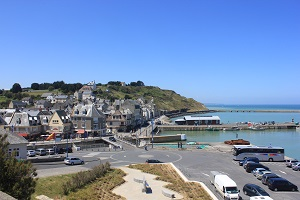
(252, 185)
(271, 174)
(279, 179)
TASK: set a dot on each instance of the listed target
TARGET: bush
(83, 178)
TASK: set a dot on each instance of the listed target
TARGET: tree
(51, 88)
(140, 83)
(16, 88)
(16, 177)
(35, 86)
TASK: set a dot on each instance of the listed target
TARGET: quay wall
(222, 126)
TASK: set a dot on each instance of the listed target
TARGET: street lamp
(67, 145)
(152, 131)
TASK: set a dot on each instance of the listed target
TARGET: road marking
(205, 174)
(282, 172)
(91, 154)
(167, 155)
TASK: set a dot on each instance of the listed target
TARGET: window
(55, 121)
(83, 125)
(75, 125)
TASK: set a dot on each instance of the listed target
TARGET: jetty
(220, 127)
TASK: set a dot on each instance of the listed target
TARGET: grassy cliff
(164, 99)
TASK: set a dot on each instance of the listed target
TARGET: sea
(289, 139)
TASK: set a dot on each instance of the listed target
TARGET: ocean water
(288, 139)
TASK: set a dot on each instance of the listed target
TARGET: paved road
(195, 164)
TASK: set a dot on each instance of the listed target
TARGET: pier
(220, 127)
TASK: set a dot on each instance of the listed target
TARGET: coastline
(271, 111)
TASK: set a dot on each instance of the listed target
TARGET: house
(198, 120)
(27, 100)
(17, 104)
(45, 117)
(46, 95)
(60, 124)
(116, 121)
(135, 107)
(17, 144)
(60, 98)
(24, 125)
(41, 104)
(88, 121)
(66, 106)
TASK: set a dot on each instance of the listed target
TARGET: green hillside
(164, 99)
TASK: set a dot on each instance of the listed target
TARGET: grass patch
(165, 172)
(101, 188)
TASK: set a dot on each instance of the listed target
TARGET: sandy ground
(133, 190)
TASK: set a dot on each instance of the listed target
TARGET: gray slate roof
(13, 138)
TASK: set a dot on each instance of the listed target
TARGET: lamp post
(152, 132)
(67, 149)
(84, 134)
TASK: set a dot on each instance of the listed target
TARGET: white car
(73, 161)
(260, 174)
(256, 170)
(30, 153)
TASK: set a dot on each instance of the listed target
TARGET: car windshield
(231, 190)
(260, 190)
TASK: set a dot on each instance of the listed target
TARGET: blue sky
(232, 51)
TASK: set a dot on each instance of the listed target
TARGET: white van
(225, 186)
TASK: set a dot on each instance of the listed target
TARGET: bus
(263, 153)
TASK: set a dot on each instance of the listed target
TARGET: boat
(257, 128)
(234, 128)
(210, 128)
(237, 142)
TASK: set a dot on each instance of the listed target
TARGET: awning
(23, 134)
(80, 131)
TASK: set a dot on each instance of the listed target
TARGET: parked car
(254, 159)
(278, 184)
(254, 190)
(289, 163)
(296, 167)
(64, 150)
(252, 166)
(257, 170)
(153, 161)
(265, 177)
(261, 173)
(30, 153)
(73, 161)
(113, 139)
(246, 163)
(40, 151)
(50, 151)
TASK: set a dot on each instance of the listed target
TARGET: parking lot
(195, 164)
(199, 169)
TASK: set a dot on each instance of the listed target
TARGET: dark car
(113, 139)
(252, 166)
(254, 190)
(254, 159)
(277, 184)
(265, 177)
(64, 150)
(153, 161)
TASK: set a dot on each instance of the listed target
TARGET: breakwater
(225, 126)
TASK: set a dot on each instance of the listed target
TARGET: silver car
(73, 161)
(289, 163)
(296, 167)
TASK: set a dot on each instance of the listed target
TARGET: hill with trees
(164, 99)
